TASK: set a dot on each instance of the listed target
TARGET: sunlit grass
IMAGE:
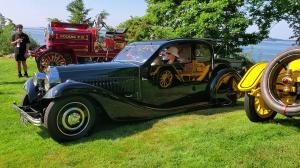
(218, 137)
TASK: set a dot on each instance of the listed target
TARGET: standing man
(21, 42)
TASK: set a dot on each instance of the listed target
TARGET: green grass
(219, 137)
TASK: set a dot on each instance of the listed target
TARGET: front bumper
(28, 114)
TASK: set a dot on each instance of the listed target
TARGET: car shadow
(7, 93)
(287, 121)
(13, 82)
(105, 128)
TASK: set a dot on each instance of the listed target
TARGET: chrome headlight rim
(38, 79)
(52, 78)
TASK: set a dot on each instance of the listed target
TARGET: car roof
(165, 41)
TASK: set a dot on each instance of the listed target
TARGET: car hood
(97, 71)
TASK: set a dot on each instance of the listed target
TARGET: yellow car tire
(256, 112)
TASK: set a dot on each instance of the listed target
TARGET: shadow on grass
(107, 129)
(7, 93)
(290, 122)
(13, 83)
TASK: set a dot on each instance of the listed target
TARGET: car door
(190, 77)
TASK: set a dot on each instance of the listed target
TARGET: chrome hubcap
(73, 118)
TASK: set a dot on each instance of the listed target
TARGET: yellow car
(273, 87)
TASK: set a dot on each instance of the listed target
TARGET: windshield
(136, 53)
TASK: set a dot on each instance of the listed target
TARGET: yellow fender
(252, 78)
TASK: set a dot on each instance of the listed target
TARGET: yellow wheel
(165, 79)
(257, 110)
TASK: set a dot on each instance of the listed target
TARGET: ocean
(264, 51)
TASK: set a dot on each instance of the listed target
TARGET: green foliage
(5, 39)
(139, 28)
(226, 20)
(54, 19)
(266, 12)
(79, 14)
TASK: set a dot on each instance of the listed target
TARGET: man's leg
(25, 68)
(19, 68)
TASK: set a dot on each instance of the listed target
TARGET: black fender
(220, 66)
(211, 90)
(30, 90)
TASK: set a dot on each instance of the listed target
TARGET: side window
(179, 53)
(185, 52)
(202, 53)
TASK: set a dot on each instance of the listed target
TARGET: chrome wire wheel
(73, 118)
(165, 79)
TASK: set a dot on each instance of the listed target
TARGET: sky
(34, 13)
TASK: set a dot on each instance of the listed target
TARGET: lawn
(218, 137)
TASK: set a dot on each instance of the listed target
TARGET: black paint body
(129, 90)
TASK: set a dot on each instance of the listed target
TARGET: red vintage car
(77, 43)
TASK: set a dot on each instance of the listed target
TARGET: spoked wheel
(226, 90)
(256, 109)
(279, 83)
(165, 78)
(51, 59)
(69, 118)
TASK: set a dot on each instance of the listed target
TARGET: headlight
(38, 79)
(52, 78)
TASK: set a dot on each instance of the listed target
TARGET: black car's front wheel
(69, 118)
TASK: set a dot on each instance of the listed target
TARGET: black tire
(165, 78)
(251, 110)
(223, 87)
(51, 58)
(69, 118)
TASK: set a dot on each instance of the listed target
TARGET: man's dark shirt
(25, 40)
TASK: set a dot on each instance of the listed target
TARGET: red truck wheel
(51, 59)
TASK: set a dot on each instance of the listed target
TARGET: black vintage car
(139, 83)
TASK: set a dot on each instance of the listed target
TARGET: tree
(5, 38)
(267, 12)
(2, 21)
(226, 20)
(79, 14)
(99, 20)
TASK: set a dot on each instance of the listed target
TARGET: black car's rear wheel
(69, 118)
(256, 109)
(51, 59)
(225, 88)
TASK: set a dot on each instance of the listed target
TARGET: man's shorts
(20, 57)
